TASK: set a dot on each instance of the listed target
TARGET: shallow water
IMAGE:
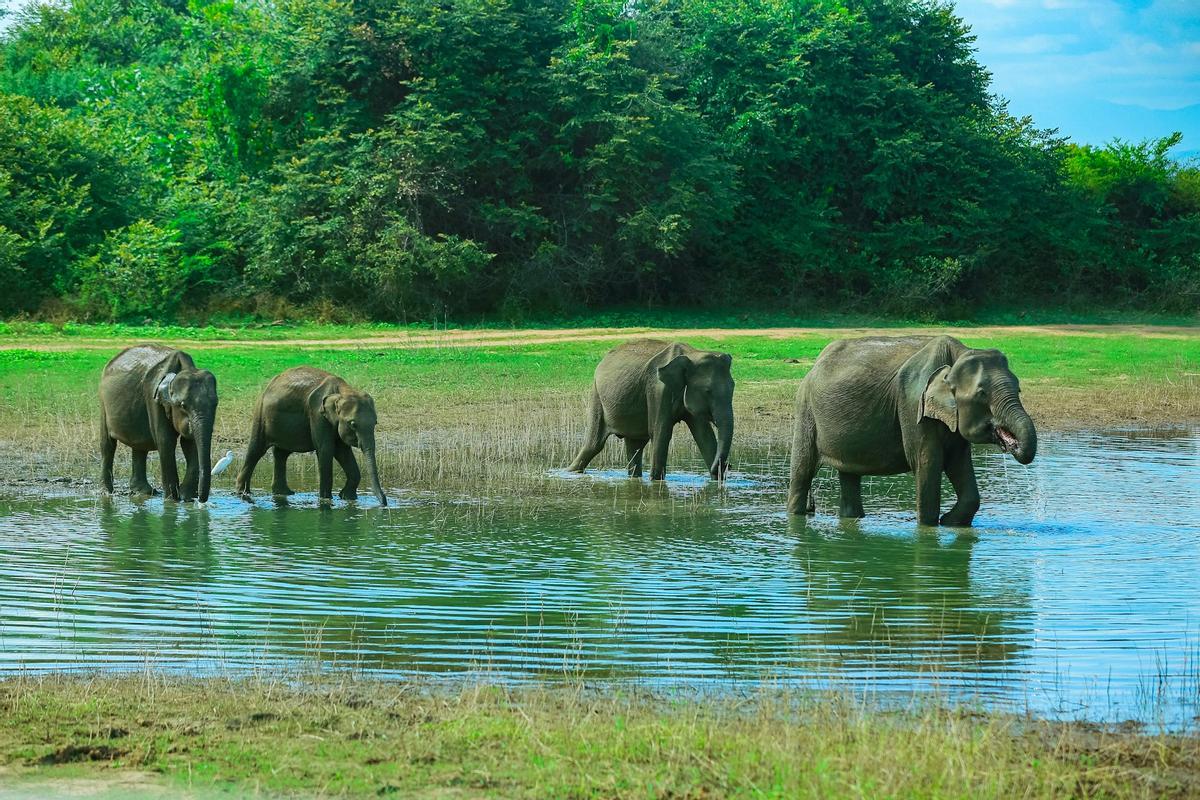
(1077, 593)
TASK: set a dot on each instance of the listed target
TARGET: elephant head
(190, 399)
(706, 384)
(352, 414)
(979, 397)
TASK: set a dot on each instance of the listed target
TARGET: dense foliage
(402, 158)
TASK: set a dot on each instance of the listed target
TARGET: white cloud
(1037, 43)
(1070, 62)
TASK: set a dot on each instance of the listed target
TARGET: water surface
(1077, 593)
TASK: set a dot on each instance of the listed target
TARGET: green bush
(136, 272)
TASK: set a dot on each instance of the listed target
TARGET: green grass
(464, 410)
(362, 739)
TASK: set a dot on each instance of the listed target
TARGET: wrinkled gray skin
(306, 409)
(881, 406)
(151, 397)
(643, 388)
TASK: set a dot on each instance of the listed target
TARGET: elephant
(150, 397)
(643, 388)
(305, 409)
(882, 406)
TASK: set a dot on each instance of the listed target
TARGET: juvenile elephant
(881, 406)
(305, 409)
(150, 397)
(643, 388)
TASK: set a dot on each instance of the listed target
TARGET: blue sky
(1095, 69)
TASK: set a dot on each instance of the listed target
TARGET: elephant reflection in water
(164, 545)
(908, 601)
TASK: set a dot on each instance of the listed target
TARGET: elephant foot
(851, 513)
(961, 514)
(142, 490)
(282, 491)
(349, 495)
(957, 520)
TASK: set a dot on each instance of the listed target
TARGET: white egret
(224, 463)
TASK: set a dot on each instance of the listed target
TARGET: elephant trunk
(366, 443)
(723, 420)
(203, 439)
(1015, 432)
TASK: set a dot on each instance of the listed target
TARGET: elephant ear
(329, 408)
(162, 392)
(938, 400)
(674, 373)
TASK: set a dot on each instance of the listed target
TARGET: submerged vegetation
(404, 160)
(357, 738)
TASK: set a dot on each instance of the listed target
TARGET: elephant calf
(643, 388)
(882, 406)
(150, 398)
(305, 409)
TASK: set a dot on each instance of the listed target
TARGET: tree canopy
(407, 158)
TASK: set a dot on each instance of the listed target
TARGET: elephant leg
(929, 482)
(593, 440)
(658, 458)
(345, 458)
(961, 473)
(279, 486)
(634, 449)
(254, 453)
(191, 474)
(138, 482)
(325, 472)
(852, 507)
(108, 451)
(169, 469)
(805, 463)
(706, 440)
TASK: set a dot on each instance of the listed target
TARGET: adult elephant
(642, 389)
(150, 398)
(882, 406)
(305, 409)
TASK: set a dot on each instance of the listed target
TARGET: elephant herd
(152, 397)
(869, 406)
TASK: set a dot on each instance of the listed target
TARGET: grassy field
(466, 405)
(358, 739)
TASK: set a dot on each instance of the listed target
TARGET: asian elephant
(643, 388)
(150, 397)
(305, 409)
(882, 406)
